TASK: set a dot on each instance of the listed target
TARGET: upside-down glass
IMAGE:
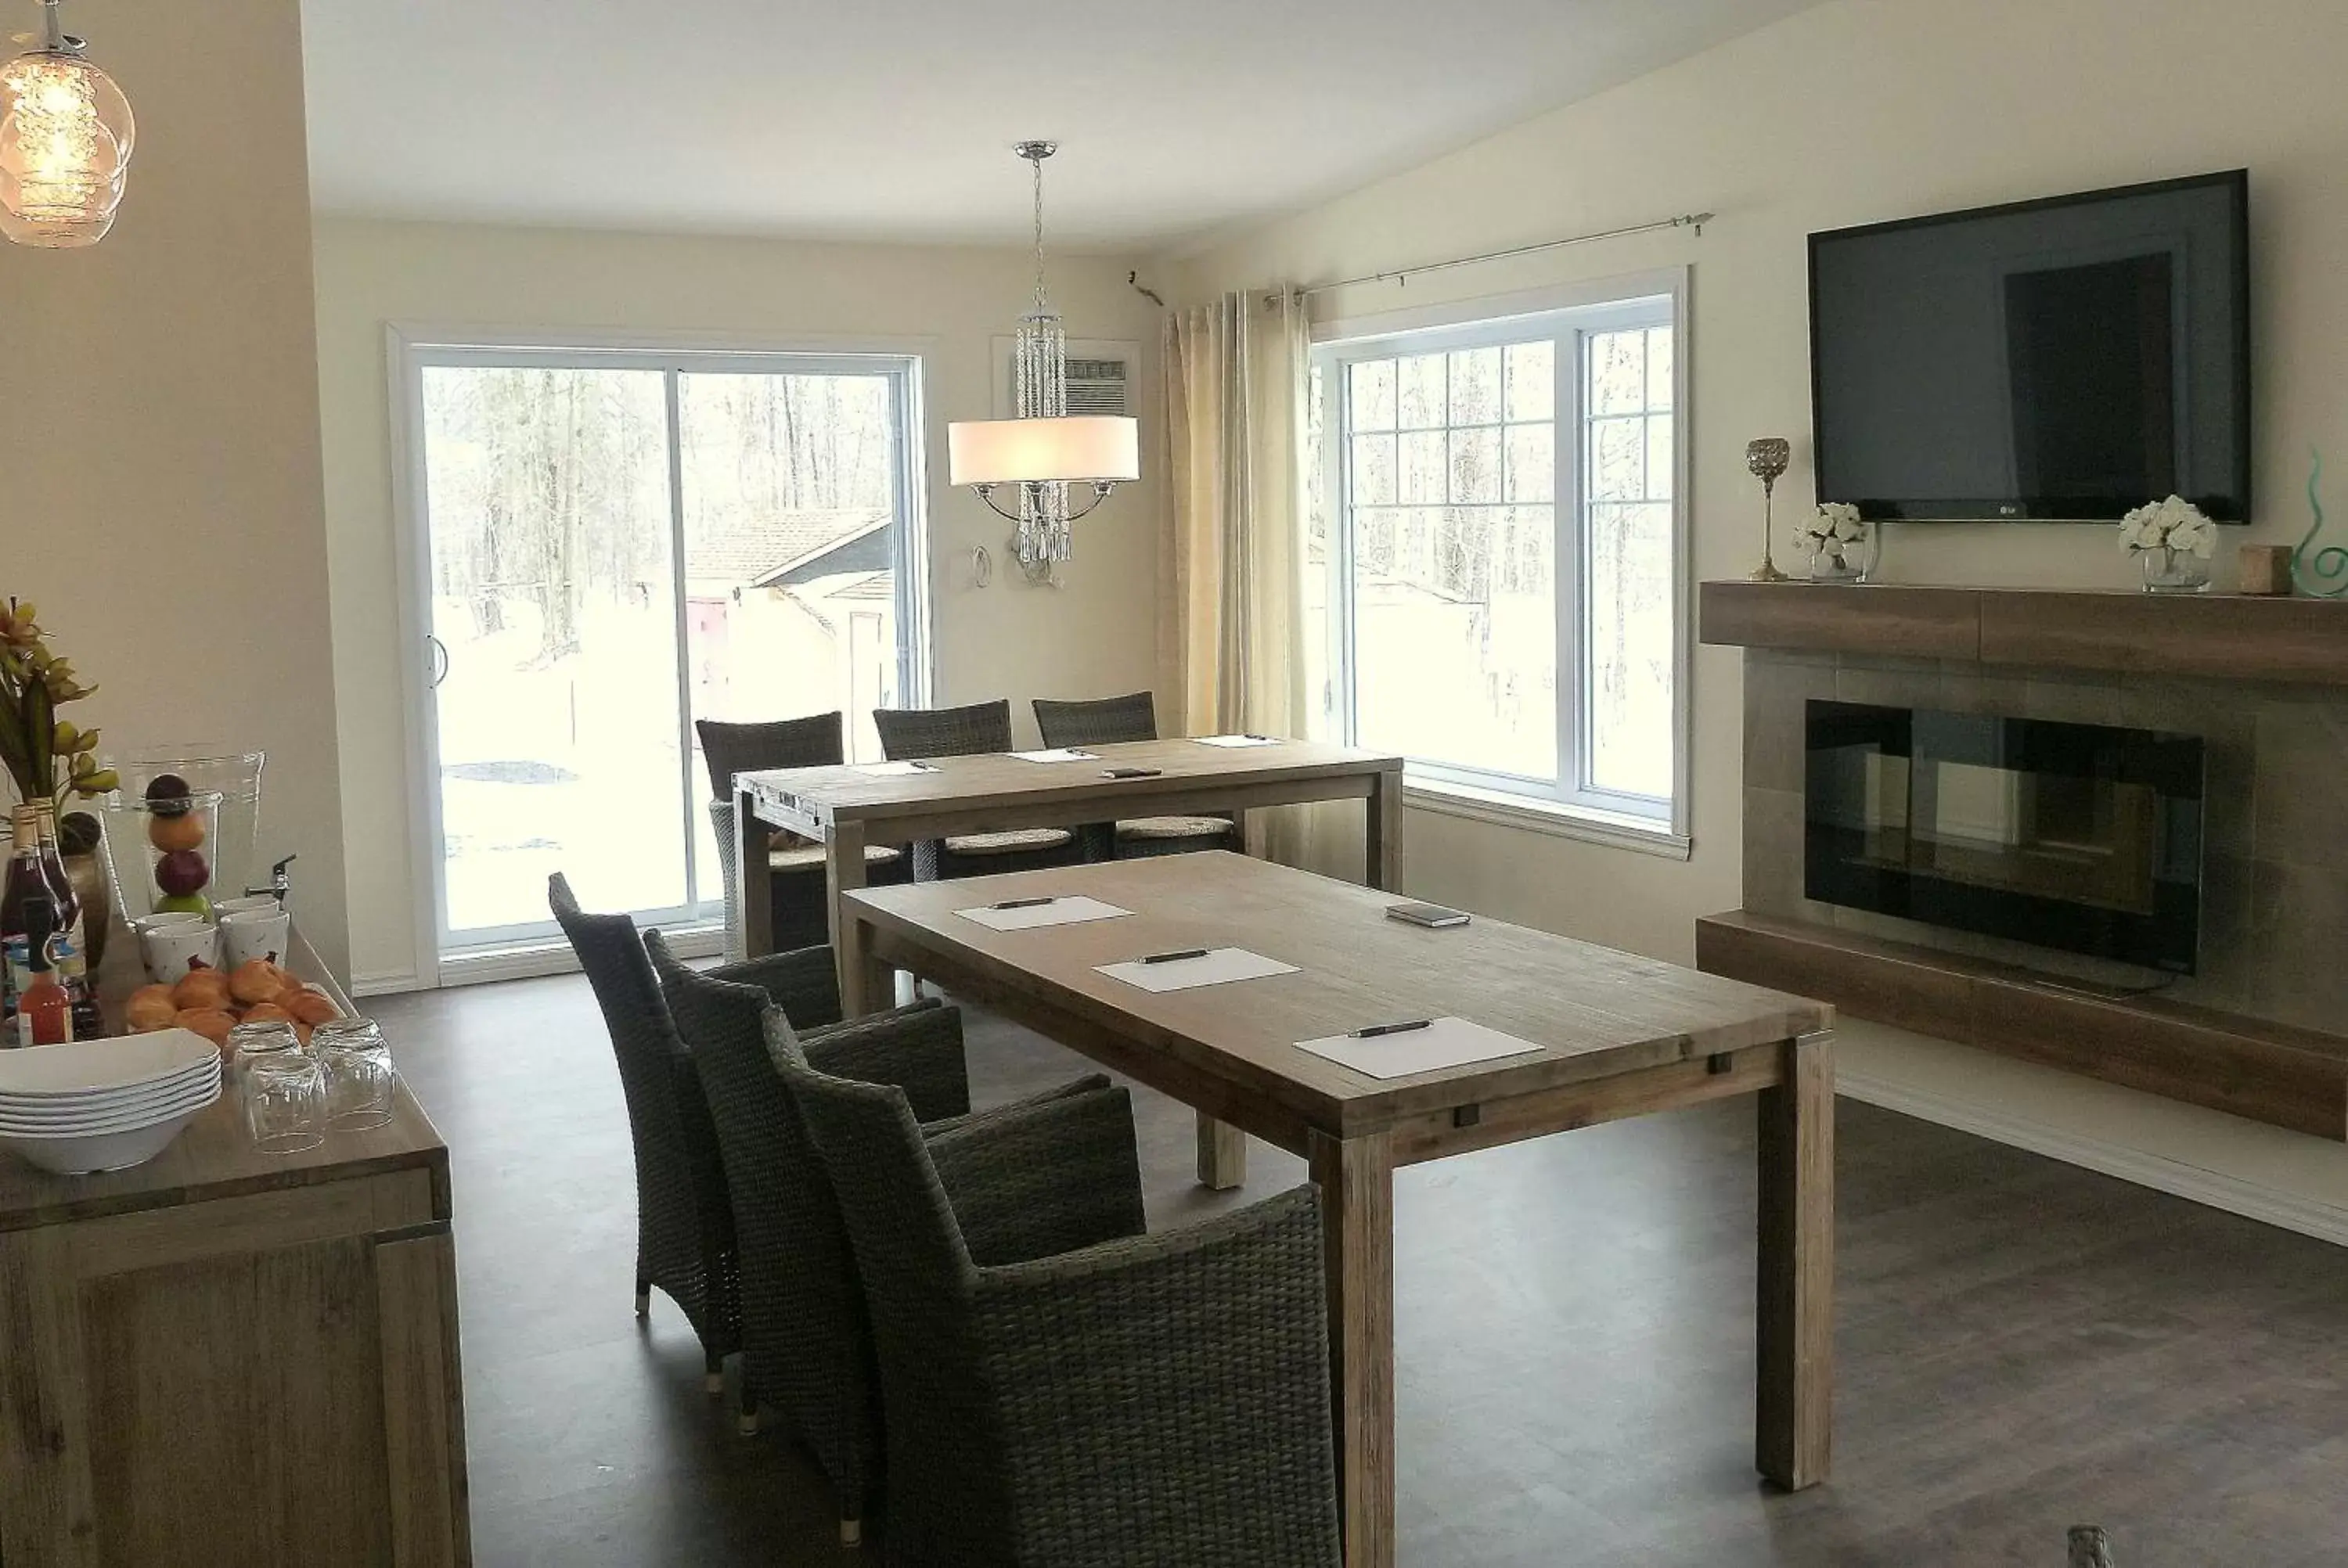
(284, 1101)
(248, 1041)
(359, 1075)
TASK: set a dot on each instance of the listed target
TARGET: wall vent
(1100, 378)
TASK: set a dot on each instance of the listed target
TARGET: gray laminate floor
(2022, 1344)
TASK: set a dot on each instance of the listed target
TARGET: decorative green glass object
(2324, 572)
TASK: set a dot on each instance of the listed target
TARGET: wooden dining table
(852, 806)
(1605, 1035)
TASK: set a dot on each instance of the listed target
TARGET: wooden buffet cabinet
(230, 1356)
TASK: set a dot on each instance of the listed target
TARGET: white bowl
(112, 1102)
(121, 1061)
(194, 1072)
(82, 1156)
(110, 1118)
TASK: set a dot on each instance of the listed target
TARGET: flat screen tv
(2063, 360)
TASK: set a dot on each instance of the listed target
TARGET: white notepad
(1056, 755)
(1072, 910)
(1447, 1043)
(1237, 740)
(895, 770)
(1220, 965)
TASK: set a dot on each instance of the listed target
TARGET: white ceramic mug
(253, 934)
(223, 907)
(169, 947)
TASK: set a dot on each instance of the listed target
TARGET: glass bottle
(44, 1012)
(23, 880)
(61, 887)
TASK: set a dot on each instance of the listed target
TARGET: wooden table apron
(1631, 1036)
(848, 810)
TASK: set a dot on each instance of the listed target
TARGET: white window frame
(534, 948)
(1568, 805)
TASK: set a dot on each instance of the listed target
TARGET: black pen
(1026, 903)
(1376, 1029)
(1176, 958)
(1130, 772)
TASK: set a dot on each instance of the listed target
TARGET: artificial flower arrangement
(2176, 524)
(1833, 528)
(1835, 536)
(46, 758)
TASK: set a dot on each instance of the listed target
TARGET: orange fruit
(171, 833)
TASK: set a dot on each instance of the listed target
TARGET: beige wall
(1855, 111)
(1092, 637)
(159, 425)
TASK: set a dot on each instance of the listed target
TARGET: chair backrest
(1103, 723)
(642, 1037)
(946, 1494)
(804, 1325)
(908, 734)
(728, 749)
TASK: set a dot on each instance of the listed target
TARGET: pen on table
(1174, 958)
(1376, 1029)
(1026, 903)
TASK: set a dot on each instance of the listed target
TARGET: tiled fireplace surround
(2274, 913)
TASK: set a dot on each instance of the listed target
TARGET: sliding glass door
(614, 543)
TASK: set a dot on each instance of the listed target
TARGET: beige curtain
(1234, 654)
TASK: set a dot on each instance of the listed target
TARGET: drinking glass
(266, 1038)
(359, 1075)
(284, 1101)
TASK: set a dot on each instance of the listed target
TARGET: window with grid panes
(1496, 516)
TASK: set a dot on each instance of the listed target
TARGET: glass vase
(2168, 570)
(1840, 561)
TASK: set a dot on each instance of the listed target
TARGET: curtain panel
(1237, 650)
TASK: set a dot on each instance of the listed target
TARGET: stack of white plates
(104, 1105)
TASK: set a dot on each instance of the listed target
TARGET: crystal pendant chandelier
(66, 132)
(1045, 449)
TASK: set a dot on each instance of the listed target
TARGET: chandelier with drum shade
(1044, 451)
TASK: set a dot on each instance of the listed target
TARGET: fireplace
(2081, 838)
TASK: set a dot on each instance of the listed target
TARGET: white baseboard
(2288, 1211)
(385, 984)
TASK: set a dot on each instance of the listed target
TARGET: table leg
(1223, 1154)
(1382, 840)
(861, 988)
(1355, 1176)
(1794, 1326)
(754, 876)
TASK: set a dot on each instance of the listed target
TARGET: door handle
(436, 660)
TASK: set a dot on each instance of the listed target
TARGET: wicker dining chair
(806, 1347)
(1104, 723)
(801, 912)
(1080, 1393)
(912, 734)
(685, 1225)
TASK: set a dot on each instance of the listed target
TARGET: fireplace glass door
(2074, 836)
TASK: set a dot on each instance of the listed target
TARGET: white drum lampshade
(1084, 449)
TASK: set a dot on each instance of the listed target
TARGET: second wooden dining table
(849, 808)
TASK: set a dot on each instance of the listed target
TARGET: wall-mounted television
(2061, 359)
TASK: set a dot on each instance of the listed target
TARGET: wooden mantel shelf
(2225, 637)
(2270, 1072)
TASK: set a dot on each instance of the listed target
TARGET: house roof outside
(754, 549)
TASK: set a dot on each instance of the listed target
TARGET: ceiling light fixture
(66, 132)
(1045, 449)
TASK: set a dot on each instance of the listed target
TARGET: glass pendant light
(1045, 449)
(66, 134)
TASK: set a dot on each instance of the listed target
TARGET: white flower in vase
(1835, 523)
(2175, 524)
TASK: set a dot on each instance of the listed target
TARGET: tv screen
(2062, 360)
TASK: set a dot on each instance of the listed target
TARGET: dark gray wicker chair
(910, 734)
(684, 1225)
(801, 913)
(1087, 1395)
(1105, 723)
(806, 1345)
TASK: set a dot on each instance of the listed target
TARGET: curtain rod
(1695, 221)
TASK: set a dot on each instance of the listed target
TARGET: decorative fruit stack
(212, 1001)
(177, 831)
